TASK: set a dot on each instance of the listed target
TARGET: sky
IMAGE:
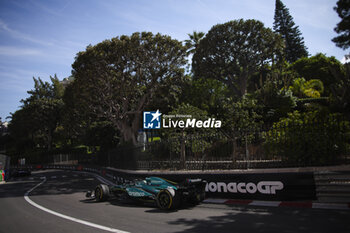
(42, 38)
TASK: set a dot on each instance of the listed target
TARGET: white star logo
(156, 115)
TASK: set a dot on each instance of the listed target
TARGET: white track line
(26, 197)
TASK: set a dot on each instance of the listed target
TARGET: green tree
(206, 94)
(181, 138)
(243, 115)
(242, 119)
(308, 138)
(22, 129)
(275, 97)
(340, 98)
(234, 51)
(101, 136)
(76, 119)
(81, 126)
(116, 79)
(40, 115)
(319, 67)
(285, 26)
(343, 27)
(4, 136)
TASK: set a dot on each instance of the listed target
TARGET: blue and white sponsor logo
(152, 120)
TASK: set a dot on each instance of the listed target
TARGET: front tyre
(101, 192)
(165, 200)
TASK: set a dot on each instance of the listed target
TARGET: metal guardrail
(333, 186)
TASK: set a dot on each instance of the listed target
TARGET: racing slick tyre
(165, 200)
(202, 195)
(101, 192)
(197, 197)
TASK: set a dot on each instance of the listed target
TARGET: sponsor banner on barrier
(259, 186)
(263, 187)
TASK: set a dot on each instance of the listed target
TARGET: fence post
(234, 146)
(183, 151)
(246, 150)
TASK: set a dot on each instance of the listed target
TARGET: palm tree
(193, 42)
(309, 89)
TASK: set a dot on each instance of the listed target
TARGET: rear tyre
(165, 200)
(202, 195)
(197, 197)
(101, 192)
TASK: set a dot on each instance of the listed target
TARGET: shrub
(308, 138)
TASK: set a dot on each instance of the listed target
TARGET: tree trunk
(128, 131)
(49, 140)
(128, 135)
(243, 84)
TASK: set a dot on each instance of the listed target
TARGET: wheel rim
(198, 197)
(164, 200)
(98, 193)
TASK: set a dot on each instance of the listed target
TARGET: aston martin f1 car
(164, 193)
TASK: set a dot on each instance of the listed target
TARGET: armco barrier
(333, 186)
(285, 186)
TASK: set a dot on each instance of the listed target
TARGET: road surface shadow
(269, 219)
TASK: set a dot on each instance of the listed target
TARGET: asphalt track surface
(63, 193)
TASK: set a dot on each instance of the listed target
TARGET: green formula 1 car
(166, 194)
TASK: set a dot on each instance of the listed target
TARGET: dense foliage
(308, 138)
(319, 67)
